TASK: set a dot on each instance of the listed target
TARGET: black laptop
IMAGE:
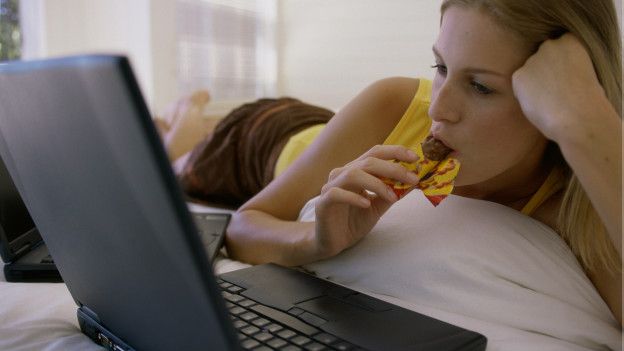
(96, 179)
(25, 256)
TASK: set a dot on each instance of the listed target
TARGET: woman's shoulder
(379, 107)
(394, 91)
(404, 103)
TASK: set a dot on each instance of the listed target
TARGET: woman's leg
(184, 124)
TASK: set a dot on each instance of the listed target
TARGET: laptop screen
(97, 182)
(15, 220)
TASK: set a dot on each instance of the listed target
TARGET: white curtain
(227, 47)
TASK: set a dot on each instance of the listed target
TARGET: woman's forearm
(593, 150)
(256, 237)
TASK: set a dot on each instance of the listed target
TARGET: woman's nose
(445, 104)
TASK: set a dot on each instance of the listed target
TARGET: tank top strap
(553, 183)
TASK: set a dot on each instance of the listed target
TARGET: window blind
(227, 47)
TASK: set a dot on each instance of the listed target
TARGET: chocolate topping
(434, 149)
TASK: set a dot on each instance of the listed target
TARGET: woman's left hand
(556, 85)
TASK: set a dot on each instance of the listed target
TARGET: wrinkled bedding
(42, 316)
(536, 300)
(479, 265)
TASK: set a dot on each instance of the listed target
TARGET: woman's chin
(466, 179)
(460, 180)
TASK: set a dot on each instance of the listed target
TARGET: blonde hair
(595, 24)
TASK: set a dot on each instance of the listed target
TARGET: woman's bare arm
(593, 150)
(265, 229)
(559, 92)
(594, 153)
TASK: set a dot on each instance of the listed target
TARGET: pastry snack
(435, 169)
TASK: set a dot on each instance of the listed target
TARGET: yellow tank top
(412, 129)
(295, 146)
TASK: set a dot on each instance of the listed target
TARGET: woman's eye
(481, 89)
(440, 68)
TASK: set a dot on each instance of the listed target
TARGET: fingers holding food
(361, 178)
(435, 169)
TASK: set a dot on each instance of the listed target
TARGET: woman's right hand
(354, 197)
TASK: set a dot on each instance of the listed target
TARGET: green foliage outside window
(10, 36)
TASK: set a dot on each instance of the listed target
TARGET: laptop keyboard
(261, 327)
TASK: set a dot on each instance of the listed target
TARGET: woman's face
(473, 107)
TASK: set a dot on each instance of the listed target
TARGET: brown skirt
(238, 158)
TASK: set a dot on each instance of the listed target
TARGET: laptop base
(16, 273)
(34, 266)
(100, 335)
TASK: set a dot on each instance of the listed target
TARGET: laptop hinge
(92, 328)
(89, 313)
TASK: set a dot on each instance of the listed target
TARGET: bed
(42, 316)
(524, 299)
(518, 283)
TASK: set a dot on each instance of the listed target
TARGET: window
(10, 36)
(228, 47)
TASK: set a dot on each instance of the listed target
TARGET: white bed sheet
(42, 316)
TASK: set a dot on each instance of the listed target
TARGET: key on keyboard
(265, 328)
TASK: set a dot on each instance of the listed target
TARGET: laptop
(25, 256)
(94, 175)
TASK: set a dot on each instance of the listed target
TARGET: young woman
(528, 95)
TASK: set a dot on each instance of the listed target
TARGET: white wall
(144, 30)
(332, 49)
(328, 49)
(163, 54)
